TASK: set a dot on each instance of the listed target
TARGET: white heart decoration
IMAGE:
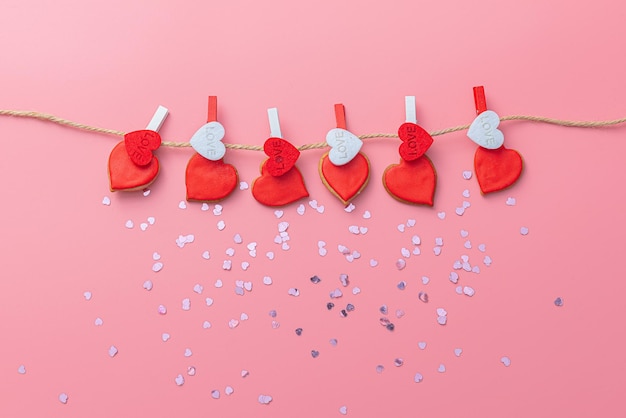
(484, 130)
(344, 146)
(207, 141)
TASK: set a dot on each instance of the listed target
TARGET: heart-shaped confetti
(497, 169)
(207, 141)
(345, 181)
(124, 174)
(140, 144)
(344, 146)
(412, 181)
(208, 180)
(484, 130)
(415, 141)
(282, 156)
(278, 191)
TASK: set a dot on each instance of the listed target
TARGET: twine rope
(317, 145)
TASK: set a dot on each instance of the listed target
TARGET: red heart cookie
(412, 181)
(209, 181)
(497, 169)
(283, 156)
(415, 141)
(140, 144)
(124, 174)
(278, 191)
(345, 181)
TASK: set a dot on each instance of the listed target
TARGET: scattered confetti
(228, 390)
(87, 295)
(221, 225)
(204, 207)
(469, 291)
(208, 301)
(558, 301)
(398, 362)
(63, 398)
(336, 294)
(333, 342)
(129, 224)
(356, 290)
(343, 278)
(156, 267)
(278, 213)
(245, 373)
(206, 325)
(466, 193)
(467, 174)
(441, 215)
(265, 399)
(186, 304)
(298, 331)
(400, 264)
(401, 227)
(243, 185)
(380, 368)
(180, 380)
(301, 209)
(437, 250)
(343, 410)
(373, 262)
(401, 285)
(425, 280)
(418, 378)
(113, 351)
(98, 322)
(267, 280)
(182, 205)
(165, 336)
(233, 323)
(457, 352)
(421, 345)
(21, 369)
(215, 394)
(106, 200)
(315, 353)
(315, 279)
(294, 292)
(506, 361)
(162, 310)
(191, 371)
(423, 296)
(459, 211)
(523, 230)
(441, 368)
(510, 201)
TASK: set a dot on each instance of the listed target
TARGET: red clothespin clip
(496, 166)
(344, 170)
(207, 177)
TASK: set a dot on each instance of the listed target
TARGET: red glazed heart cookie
(415, 141)
(140, 144)
(278, 191)
(497, 169)
(124, 174)
(282, 156)
(345, 181)
(412, 181)
(209, 181)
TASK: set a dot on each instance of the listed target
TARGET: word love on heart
(344, 146)
(282, 156)
(415, 141)
(140, 144)
(207, 141)
(484, 130)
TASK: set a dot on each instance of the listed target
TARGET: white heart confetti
(243, 185)
(106, 201)
(180, 380)
(484, 130)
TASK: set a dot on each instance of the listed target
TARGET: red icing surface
(345, 181)
(415, 141)
(124, 174)
(209, 181)
(412, 181)
(279, 191)
(282, 156)
(497, 169)
(140, 145)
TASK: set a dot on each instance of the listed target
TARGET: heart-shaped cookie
(344, 146)
(415, 141)
(278, 191)
(209, 181)
(412, 181)
(497, 169)
(207, 141)
(282, 156)
(140, 144)
(484, 130)
(124, 174)
(345, 181)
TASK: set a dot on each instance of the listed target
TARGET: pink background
(111, 64)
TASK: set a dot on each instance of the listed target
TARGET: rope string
(318, 145)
